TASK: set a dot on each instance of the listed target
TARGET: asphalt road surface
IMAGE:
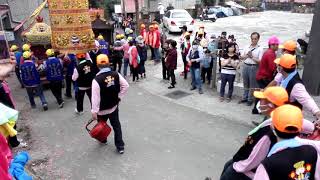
(164, 141)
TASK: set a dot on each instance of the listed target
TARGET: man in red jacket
(267, 68)
(156, 43)
(150, 40)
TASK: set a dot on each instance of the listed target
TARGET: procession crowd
(272, 150)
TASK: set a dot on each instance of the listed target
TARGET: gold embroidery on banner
(66, 4)
(82, 19)
(68, 19)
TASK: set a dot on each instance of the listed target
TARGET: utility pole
(123, 2)
(311, 72)
(137, 16)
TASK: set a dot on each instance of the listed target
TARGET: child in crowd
(134, 61)
(143, 54)
(206, 68)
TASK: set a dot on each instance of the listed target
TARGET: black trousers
(56, 89)
(116, 126)
(204, 72)
(152, 53)
(185, 65)
(80, 98)
(68, 85)
(172, 76)
(230, 174)
(13, 141)
(165, 72)
(117, 63)
(135, 73)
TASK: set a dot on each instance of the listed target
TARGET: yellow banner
(71, 26)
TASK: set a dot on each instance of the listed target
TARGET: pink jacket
(5, 159)
(133, 56)
(125, 50)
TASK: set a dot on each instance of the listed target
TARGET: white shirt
(161, 9)
(257, 53)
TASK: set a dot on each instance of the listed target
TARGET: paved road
(184, 139)
(163, 141)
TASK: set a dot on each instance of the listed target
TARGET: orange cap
(81, 56)
(287, 116)
(289, 45)
(287, 61)
(276, 95)
(102, 59)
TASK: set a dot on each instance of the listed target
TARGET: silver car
(175, 19)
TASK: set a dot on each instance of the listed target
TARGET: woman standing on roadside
(171, 62)
(229, 63)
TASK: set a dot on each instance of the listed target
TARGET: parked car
(174, 19)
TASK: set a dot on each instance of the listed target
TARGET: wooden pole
(311, 72)
(137, 16)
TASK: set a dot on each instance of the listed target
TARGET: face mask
(264, 108)
(194, 46)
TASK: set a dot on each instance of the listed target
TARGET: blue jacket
(54, 69)
(17, 166)
(104, 47)
(18, 56)
(29, 74)
(72, 64)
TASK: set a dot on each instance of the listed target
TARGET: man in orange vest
(143, 33)
(156, 43)
(150, 40)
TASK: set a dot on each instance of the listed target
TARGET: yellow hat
(130, 38)
(102, 59)
(26, 47)
(122, 36)
(50, 52)
(26, 55)
(118, 36)
(14, 48)
(100, 37)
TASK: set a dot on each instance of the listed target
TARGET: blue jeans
(227, 78)
(125, 66)
(157, 54)
(196, 78)
(37, 90)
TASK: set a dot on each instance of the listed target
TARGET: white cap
(159, 3)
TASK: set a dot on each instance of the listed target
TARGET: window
(180, 15)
